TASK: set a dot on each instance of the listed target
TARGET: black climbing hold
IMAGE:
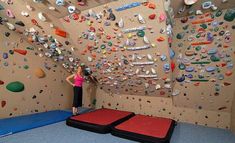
(20, 23)
(7, 34)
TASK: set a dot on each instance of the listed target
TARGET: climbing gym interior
(117, 71)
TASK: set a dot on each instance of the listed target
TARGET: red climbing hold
(34, 21)
(22, 52)
(3, 103)
(228, 73)
(172, 66)
(1, 82)
(152, 16)
(60, 32)
(75, 16)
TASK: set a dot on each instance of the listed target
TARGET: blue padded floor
(21, 123)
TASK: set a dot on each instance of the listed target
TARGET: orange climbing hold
(60, 32)
(160, 39)
(201, 43)
(202, 21)
(34, 22)
(22, 52)
(151, 5)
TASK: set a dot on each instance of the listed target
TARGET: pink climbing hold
(10, 13)
(162, 17)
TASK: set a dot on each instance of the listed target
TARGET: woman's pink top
(78, 80)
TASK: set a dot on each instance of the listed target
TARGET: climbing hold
(10, 26)
(112, 17)
(212, 51)
(180, 79)
(160, 39)
(20, 23)
(3, 103)
(214, 58)
(89, 59)
(189, 69)
(140, 33)
(141, 19)
(146, 41)
(15, 86)
(180, 35)
(189, 53)
(1, 82)
(210, 69)
(218, 13)
(206, 5)
(1, 7)
(41, 17)
(60, 32)
(229, 15)
(9, 13)
(163, 57)
(102, 46)
(5, 55)
(162, 17)
(228, 73)
(26, 67)
(22, 52)
(121, 23)
(152, 16)
(166, 67)
(39, 73)
(220, 77)
(71, 9)
(60, 2)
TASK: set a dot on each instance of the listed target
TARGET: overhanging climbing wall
(127, 48)
(204, 47)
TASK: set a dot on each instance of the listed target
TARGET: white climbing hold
(146, 41)
(175, 92)
(147, 72)
(51, 8)
(141, 19)
(10, 26)
(158, 86)
(153, 71)
(89, 59)
(30, 8)
(24, 13)
(150, 58)
(168, 86)
(71, 9)
(41, 16)
(137, 71)
(199, 12)
(121, 23)
(51, 25)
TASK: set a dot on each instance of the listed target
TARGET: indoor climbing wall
(44, 50)
(126, 48)
(29, 83)
(204, 48)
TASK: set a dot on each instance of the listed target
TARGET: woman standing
(77, 88)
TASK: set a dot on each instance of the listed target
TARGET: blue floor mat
(21, 123)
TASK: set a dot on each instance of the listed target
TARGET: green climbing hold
(218, 13)
(26, 67)
(103, 46)
(94, 102)
(15, 86)
(198, 35)
(140, 33)
(180, 35)
(30, 48)
(216, 29)
(229, 15)
(198, 48)
(200, 80)
(214, 58)
(204, 26)
(110, 43)
(202, 62)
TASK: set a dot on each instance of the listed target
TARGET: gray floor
(60, 133)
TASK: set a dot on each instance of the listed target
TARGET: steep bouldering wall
(204, 48)
(41, 61)
(126, 48)
(40, 82)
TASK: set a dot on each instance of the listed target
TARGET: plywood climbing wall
(127, 49)
(205, 58)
